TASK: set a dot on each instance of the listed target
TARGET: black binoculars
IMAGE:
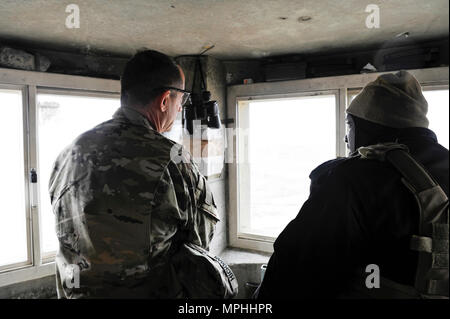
(200, 107)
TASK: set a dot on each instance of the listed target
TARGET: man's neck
(142, 113)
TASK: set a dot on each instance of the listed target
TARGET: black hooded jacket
(358, 213)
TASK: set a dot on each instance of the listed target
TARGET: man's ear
(164, 101)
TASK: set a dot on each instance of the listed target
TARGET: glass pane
(287, 139)
(13, 221)
(438, 106)
(61, 119)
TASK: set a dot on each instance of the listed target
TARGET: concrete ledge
(246, 266)
(234, 256)
(42, 288)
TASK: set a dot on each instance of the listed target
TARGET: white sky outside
(287, 140)
(58, 127)
(13, 232)
(438, 106)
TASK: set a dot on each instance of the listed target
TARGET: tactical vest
(431, 242)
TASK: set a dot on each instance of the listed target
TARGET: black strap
(411, 170)
(432, 240)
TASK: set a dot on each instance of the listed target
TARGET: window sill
(15, 276)
(236, 256)
(246, 266)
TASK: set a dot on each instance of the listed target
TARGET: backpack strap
(431, 242)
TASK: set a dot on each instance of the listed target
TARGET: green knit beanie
(393, 100)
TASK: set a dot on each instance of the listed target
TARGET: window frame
(26, 160)
(431, 77)
(30, 83)
(289, 96)
(425, 87)
(47, 257)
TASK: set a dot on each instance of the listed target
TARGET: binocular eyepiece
(201, 108)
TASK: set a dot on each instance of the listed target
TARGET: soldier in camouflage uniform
(123, 204)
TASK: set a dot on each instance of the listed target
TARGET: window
(14, 245)
(62, 117)
(280, 142)
(271, 153)
(41, 114)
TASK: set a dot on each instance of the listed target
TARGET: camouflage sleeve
(202, 224)
(183, 205)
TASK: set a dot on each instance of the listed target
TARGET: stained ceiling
(237, 28)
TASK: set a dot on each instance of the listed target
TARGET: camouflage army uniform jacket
(123, 205)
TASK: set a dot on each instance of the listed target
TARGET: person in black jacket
(359, 212)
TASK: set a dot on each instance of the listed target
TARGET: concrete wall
(215, 81)
(394, 55)
(214, 73)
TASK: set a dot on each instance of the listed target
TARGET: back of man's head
(144, 74)
(392, 100)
